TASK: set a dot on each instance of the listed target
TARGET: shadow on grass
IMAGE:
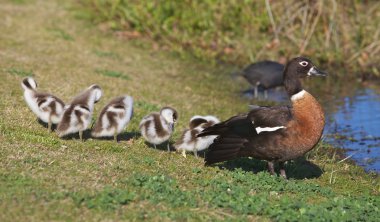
(86, 135)
(296, 169)
(125, 136)
(162, 146)
(45, 125)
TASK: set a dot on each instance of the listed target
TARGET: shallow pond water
(355, 126)
(352, 117)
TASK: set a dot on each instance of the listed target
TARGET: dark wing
(236, 134)
(263, 116)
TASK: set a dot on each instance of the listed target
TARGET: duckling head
(29, 83)
(170, 115)
(212, 120)
(96, 92)
(196, 121)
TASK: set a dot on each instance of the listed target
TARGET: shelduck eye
(304, 63)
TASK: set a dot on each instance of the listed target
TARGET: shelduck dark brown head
(275, 134)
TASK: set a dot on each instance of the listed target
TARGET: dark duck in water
(275, 134)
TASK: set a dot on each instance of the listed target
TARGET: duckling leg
(271, 167)
(184, 153)
(168, 146)
(115, 137)
(282, 169)
(80, 135)
(195, 153)
(49, 124)
(155, 146)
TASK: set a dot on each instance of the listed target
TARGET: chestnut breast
(305, 130)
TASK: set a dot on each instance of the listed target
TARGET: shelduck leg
(184, 153)
(154, 146)
(282, 169)
(271, 167)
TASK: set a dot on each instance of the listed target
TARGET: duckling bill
(47, 107)
(77, 116)
(275, 134)
(114, 117)
(189, 140)
(156, 128)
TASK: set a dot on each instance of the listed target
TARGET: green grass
(20, 72)
(44, 178)
(333, 32)
(110, 73)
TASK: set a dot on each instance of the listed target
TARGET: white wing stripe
(268, 129)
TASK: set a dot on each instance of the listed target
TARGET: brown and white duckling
(47, 107)
(114, 117)
(157, 128)
(77, 116)
(189, 140)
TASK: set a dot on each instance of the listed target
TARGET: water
(355, 126)
(352, 117)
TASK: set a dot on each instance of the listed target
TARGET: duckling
(275, 134)
(114, 117)
(265, 74)
(157, 128)
(47, 107)
(189, 140)
(77, 116)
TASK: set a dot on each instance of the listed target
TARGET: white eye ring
(304, 63)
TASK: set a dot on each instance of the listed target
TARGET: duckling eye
(303, 63)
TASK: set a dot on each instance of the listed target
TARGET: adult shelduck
(47, 107)
(277, 133)
(77, 116)
(157, 128)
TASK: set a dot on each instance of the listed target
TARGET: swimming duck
(114, 117)
(47, 107)
(77, 116)
(265, 74)
(189, 140)
(157, 128)
(277, 133)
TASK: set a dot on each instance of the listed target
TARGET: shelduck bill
(77, 116)
(47, 107)
(157, 128)
(275, 134)
(189, 140)
(114, 117)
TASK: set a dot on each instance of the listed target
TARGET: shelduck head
(297, 68)
(302, 67)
